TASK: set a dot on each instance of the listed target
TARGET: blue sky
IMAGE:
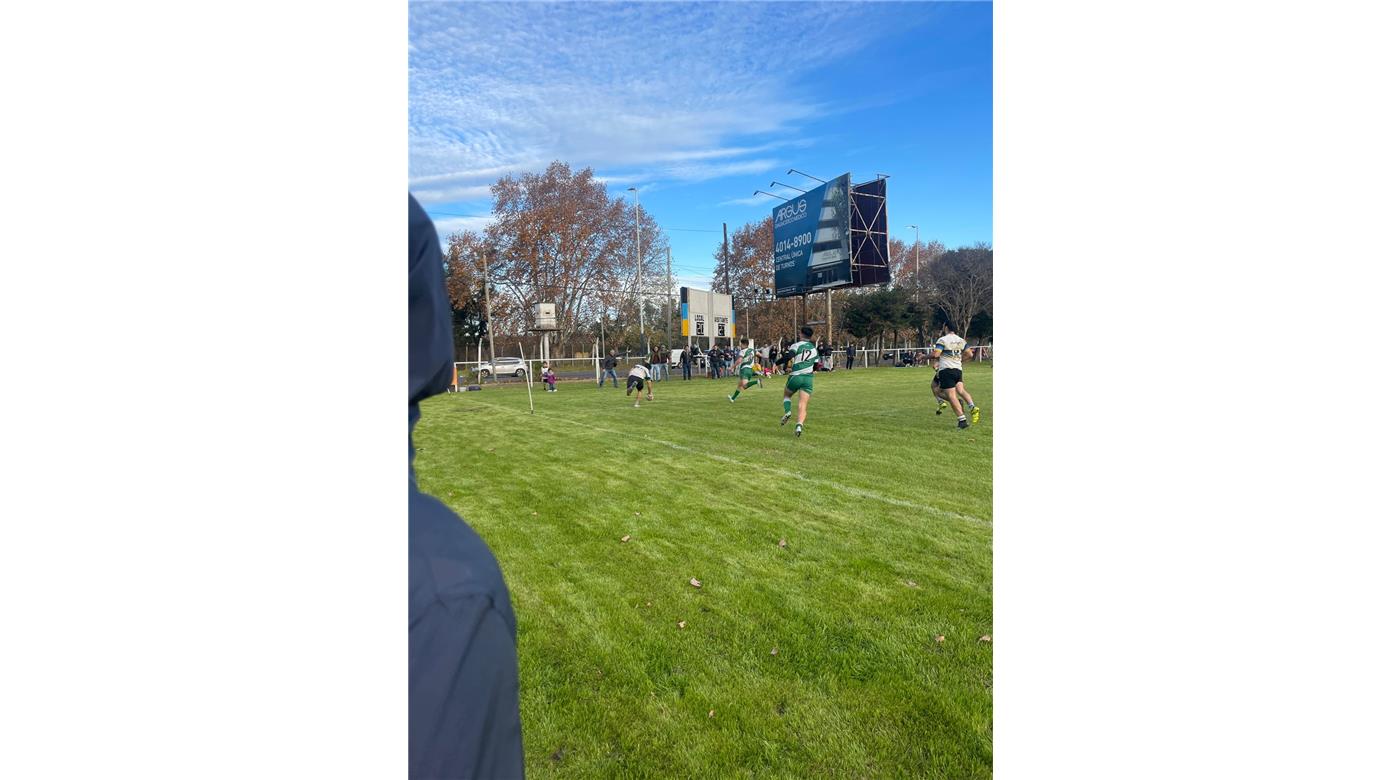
(701, 104)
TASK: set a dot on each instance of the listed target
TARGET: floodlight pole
(641, 320)
(916, 262)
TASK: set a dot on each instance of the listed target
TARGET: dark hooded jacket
(463, 680)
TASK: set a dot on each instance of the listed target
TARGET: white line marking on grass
(849, 490)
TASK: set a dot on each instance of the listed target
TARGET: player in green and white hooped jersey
(947, 385)
(748, 377)
(803, 357)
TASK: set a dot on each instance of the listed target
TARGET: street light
(916, 261)
(641, 325)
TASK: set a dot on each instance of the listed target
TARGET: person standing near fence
(850, 356)
(685, 364)
(609, 369)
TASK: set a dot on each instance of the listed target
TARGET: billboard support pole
(828, 317)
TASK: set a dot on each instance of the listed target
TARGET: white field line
(838, 486)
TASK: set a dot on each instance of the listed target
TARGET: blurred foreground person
(463, 679)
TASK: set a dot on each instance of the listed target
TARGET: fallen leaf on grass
(911, 583)
(939, 638)
(985, 638)
(774, 651)
(681, 624)
(712, 713)
(627, 538)
(638, 514)
(782, 543)
(695, 582)
(534, 514)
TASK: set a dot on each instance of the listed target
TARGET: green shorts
(799, 382)
(746, 373)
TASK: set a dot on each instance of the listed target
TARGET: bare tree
(962, 284)
(559, 238)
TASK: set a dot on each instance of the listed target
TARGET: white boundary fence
(590, 369)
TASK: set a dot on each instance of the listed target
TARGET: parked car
(502, 366)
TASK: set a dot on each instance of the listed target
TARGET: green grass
(887, 513)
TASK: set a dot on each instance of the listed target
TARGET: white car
(502, 366)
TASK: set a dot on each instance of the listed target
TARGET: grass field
(886, 511)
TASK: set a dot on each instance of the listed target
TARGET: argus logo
(787, 213)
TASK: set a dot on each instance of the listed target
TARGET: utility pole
(670, 306)
(490, 320)
(727, 287)
(641, 322)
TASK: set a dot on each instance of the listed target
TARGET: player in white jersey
(748, 370)
(947, 385)
(636, 378)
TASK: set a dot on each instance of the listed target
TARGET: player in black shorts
(639, 375)
(947, 384)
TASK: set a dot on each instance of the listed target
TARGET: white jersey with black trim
(951, 356)
(640, 371)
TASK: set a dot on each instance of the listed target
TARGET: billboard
(812, 240)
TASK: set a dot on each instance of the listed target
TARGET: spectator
(463, 677)
(655, 363)
(850, 355)
(685, 364)
(713, 356)
(547, 374)
(609, 369)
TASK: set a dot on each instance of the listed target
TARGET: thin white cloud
(649, 91)
(446, 226)
(756, 200)
(449, 194)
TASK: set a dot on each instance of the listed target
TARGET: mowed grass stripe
(612, 687)
(635, 439)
